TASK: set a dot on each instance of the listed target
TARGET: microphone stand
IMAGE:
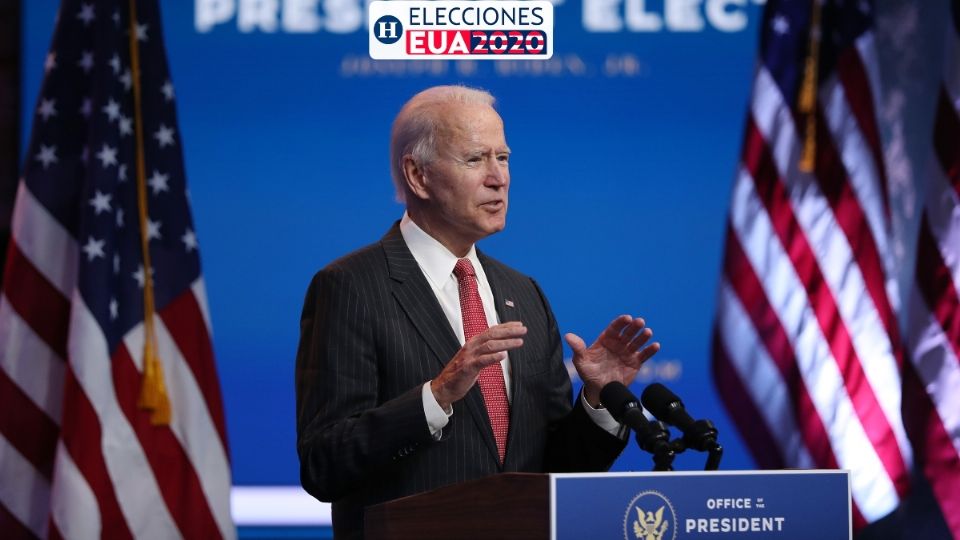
(713, 457)
(703, 439)
(650, 440)
(663, 461)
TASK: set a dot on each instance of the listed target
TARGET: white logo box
(461, 30)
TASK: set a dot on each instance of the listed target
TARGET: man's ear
(415, 177)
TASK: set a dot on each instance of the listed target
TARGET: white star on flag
(86, 107)
(189, 240)
(47, 109)
(93, 249)
(50, 62)
(116, 263)
(126, 79)
(142, 32)
(140, 276)
(164, 136)
(86, 61)
(781, 25)
(153, 229)
(158, 182)
(115, 63)
(119, 217)
(112, 110)
(114, 308)
(122, 173)
(47, 155)
(126, 126)
(107, 156)
(167, 90)
(100, 202)
(86, 14)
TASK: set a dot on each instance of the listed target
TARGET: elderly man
(422, 361)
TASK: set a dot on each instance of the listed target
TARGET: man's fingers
(576, 343)
(617, 325)
(485, 360)
(499, 345)
(641, 338)
(507, 330)
(631, 330)
(645, 354)
(632, 336)
(508, 324)
(485, 349)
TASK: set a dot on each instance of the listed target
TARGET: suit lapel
(418, 301)
(416, 297)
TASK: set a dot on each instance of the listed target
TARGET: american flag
(807, 350)
(932, 380)
(90, 446)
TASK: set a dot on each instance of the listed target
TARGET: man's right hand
(486, 348)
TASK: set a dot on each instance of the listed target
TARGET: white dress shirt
(437, 262)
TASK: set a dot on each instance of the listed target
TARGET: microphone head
(616, 397)
(659, 400)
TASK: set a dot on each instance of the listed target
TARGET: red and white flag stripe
(932, 382)
(806, 326)
(89, 461)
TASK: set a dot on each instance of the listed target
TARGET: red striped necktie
(491, 381)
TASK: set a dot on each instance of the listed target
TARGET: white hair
(418, 123)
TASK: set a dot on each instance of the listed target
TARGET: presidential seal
(650, 516)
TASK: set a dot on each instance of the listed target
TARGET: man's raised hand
(486, 348)
(615, 356)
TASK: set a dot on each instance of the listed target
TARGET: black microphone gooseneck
(652, 437)
(697, 434)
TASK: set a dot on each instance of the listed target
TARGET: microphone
(652, 437)
(697, 434)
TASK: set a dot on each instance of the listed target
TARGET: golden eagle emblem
(650, 516)
(650, 525)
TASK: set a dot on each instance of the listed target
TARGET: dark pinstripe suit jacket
(372, 333)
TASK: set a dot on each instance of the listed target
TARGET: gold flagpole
(808, 93)
(153, 393)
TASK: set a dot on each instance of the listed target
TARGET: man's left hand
(615, 356)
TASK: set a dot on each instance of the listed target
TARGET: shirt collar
(434, 258)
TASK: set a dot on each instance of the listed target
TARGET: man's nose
(497, 174)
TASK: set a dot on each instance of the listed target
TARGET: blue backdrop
(625, 145)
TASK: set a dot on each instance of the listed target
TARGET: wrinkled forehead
(470, 124)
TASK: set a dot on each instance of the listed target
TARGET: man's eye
(474, 159)
(503, 158)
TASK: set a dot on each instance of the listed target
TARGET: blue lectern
(715, 505)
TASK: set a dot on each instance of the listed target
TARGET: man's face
(469, 179)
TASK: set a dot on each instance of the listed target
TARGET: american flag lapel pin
(509, 303)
